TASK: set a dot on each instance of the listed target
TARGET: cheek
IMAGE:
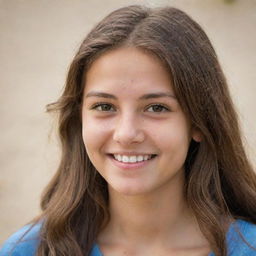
(172, 138)
(95, 133)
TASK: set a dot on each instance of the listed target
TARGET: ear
(197, 134)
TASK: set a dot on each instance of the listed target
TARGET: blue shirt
(28, 244)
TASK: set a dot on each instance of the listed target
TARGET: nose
(128, 130)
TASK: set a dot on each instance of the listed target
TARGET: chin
(132, 190)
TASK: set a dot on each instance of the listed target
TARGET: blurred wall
(38, 41)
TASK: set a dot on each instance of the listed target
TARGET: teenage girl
(152, 158)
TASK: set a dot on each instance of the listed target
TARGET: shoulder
(241, 238)
(22, 243)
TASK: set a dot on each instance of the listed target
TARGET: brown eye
(104, 107)
(157, 108)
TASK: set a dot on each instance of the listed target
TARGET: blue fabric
(26, 240)
(26, 245)
(19, 245)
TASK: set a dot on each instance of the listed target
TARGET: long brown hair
(220, 182)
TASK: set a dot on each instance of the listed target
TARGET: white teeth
(125, 159)
(145, 158)
(140, 158)
(132, 159)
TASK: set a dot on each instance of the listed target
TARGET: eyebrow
(157, 95)
(143, 97)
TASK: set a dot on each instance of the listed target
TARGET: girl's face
(134, 130)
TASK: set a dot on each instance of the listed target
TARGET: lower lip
(130, 165)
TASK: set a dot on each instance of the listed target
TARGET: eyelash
(94, 107)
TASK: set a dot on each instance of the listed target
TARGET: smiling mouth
(132, 159)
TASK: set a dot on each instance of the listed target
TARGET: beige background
(38, 39)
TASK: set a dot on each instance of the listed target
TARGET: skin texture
(131, 125)
(124, 122)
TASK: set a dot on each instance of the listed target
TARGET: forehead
(127, 69)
